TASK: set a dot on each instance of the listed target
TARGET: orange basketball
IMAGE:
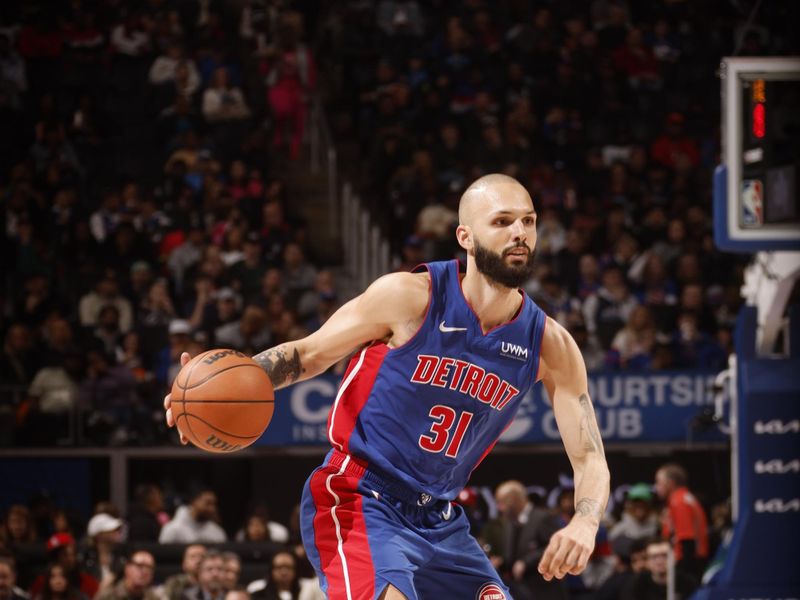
(222, 400)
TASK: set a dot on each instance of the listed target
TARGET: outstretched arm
(564, 377)
(377, 314)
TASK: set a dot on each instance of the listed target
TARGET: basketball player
(442, 360)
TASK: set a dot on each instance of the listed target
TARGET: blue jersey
(427, 412)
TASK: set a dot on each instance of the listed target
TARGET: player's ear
(464, 237)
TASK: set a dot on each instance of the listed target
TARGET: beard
(493, 266)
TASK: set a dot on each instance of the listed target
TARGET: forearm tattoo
(586, 507)
(282, 369)
(589, 432)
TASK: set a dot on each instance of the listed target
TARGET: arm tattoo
(282, 370)
(586, 507)
(589, 432)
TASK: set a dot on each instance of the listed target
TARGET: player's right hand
(185, 358)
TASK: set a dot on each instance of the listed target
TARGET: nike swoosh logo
(445, 329)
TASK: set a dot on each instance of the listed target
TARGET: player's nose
(518, 230)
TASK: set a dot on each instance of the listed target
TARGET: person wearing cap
(167, 362)
(137, 579)
(638, 520)
(99, 555)
(61, 549)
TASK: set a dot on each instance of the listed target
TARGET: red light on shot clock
(759, 120)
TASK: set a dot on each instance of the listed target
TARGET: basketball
(222, 400)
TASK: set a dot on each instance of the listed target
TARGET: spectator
(260, 528)
(176, 585)
(290, 78)
(18, 363)
(109, 392)
(298, 274)
(627, 568)
(18, 526)
(232, 567)
(147, 515)
(137, 579)
(223, 103)
(106, 292)
(8, 580)
(195, 522)
(695, 349)
(61, 551)
(284, 583)
(129, 38)
(186, 256)
(685, 523)
(249, 334)
(248, 272)
(608, 309)
(674, 145)
(638, 521)
(516, 542)
(210, 579)
(100, 557)
(632, 346)
(168, 360)
(165, 69)
(651, 583)
(57, 585)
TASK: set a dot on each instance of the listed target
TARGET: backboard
(756, 200)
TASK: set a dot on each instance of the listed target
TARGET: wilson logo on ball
(210, 360)
(491, 591)
(218, 444)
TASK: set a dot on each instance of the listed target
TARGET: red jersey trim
(355, 391)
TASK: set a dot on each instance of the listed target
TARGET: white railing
(321, 143)
(366, 252)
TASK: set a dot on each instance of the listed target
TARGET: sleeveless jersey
(427, 412)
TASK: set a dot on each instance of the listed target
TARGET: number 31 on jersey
(440, 435)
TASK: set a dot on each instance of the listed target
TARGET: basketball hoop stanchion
(756, 211)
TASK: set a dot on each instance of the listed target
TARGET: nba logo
(752, 203)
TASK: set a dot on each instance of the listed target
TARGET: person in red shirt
(684, 520)
(61, 550)
(674, 148)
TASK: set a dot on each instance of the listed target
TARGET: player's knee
(391, 593)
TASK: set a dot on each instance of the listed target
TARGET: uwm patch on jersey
(427, 412)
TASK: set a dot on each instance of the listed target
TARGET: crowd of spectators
(166, 550)
(607, 111)
(144, 211)
(144, 208)
(148, 555)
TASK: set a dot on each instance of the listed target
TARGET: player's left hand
(569, 550)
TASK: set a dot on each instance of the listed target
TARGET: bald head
(487, 188)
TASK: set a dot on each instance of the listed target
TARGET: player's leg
(460, 567)
(352, 541)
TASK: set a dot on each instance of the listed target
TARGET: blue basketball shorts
(363, 532)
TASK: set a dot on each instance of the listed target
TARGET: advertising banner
(630, 407)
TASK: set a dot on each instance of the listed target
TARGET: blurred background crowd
(147, 148)
(167, 550)
(149, 169)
